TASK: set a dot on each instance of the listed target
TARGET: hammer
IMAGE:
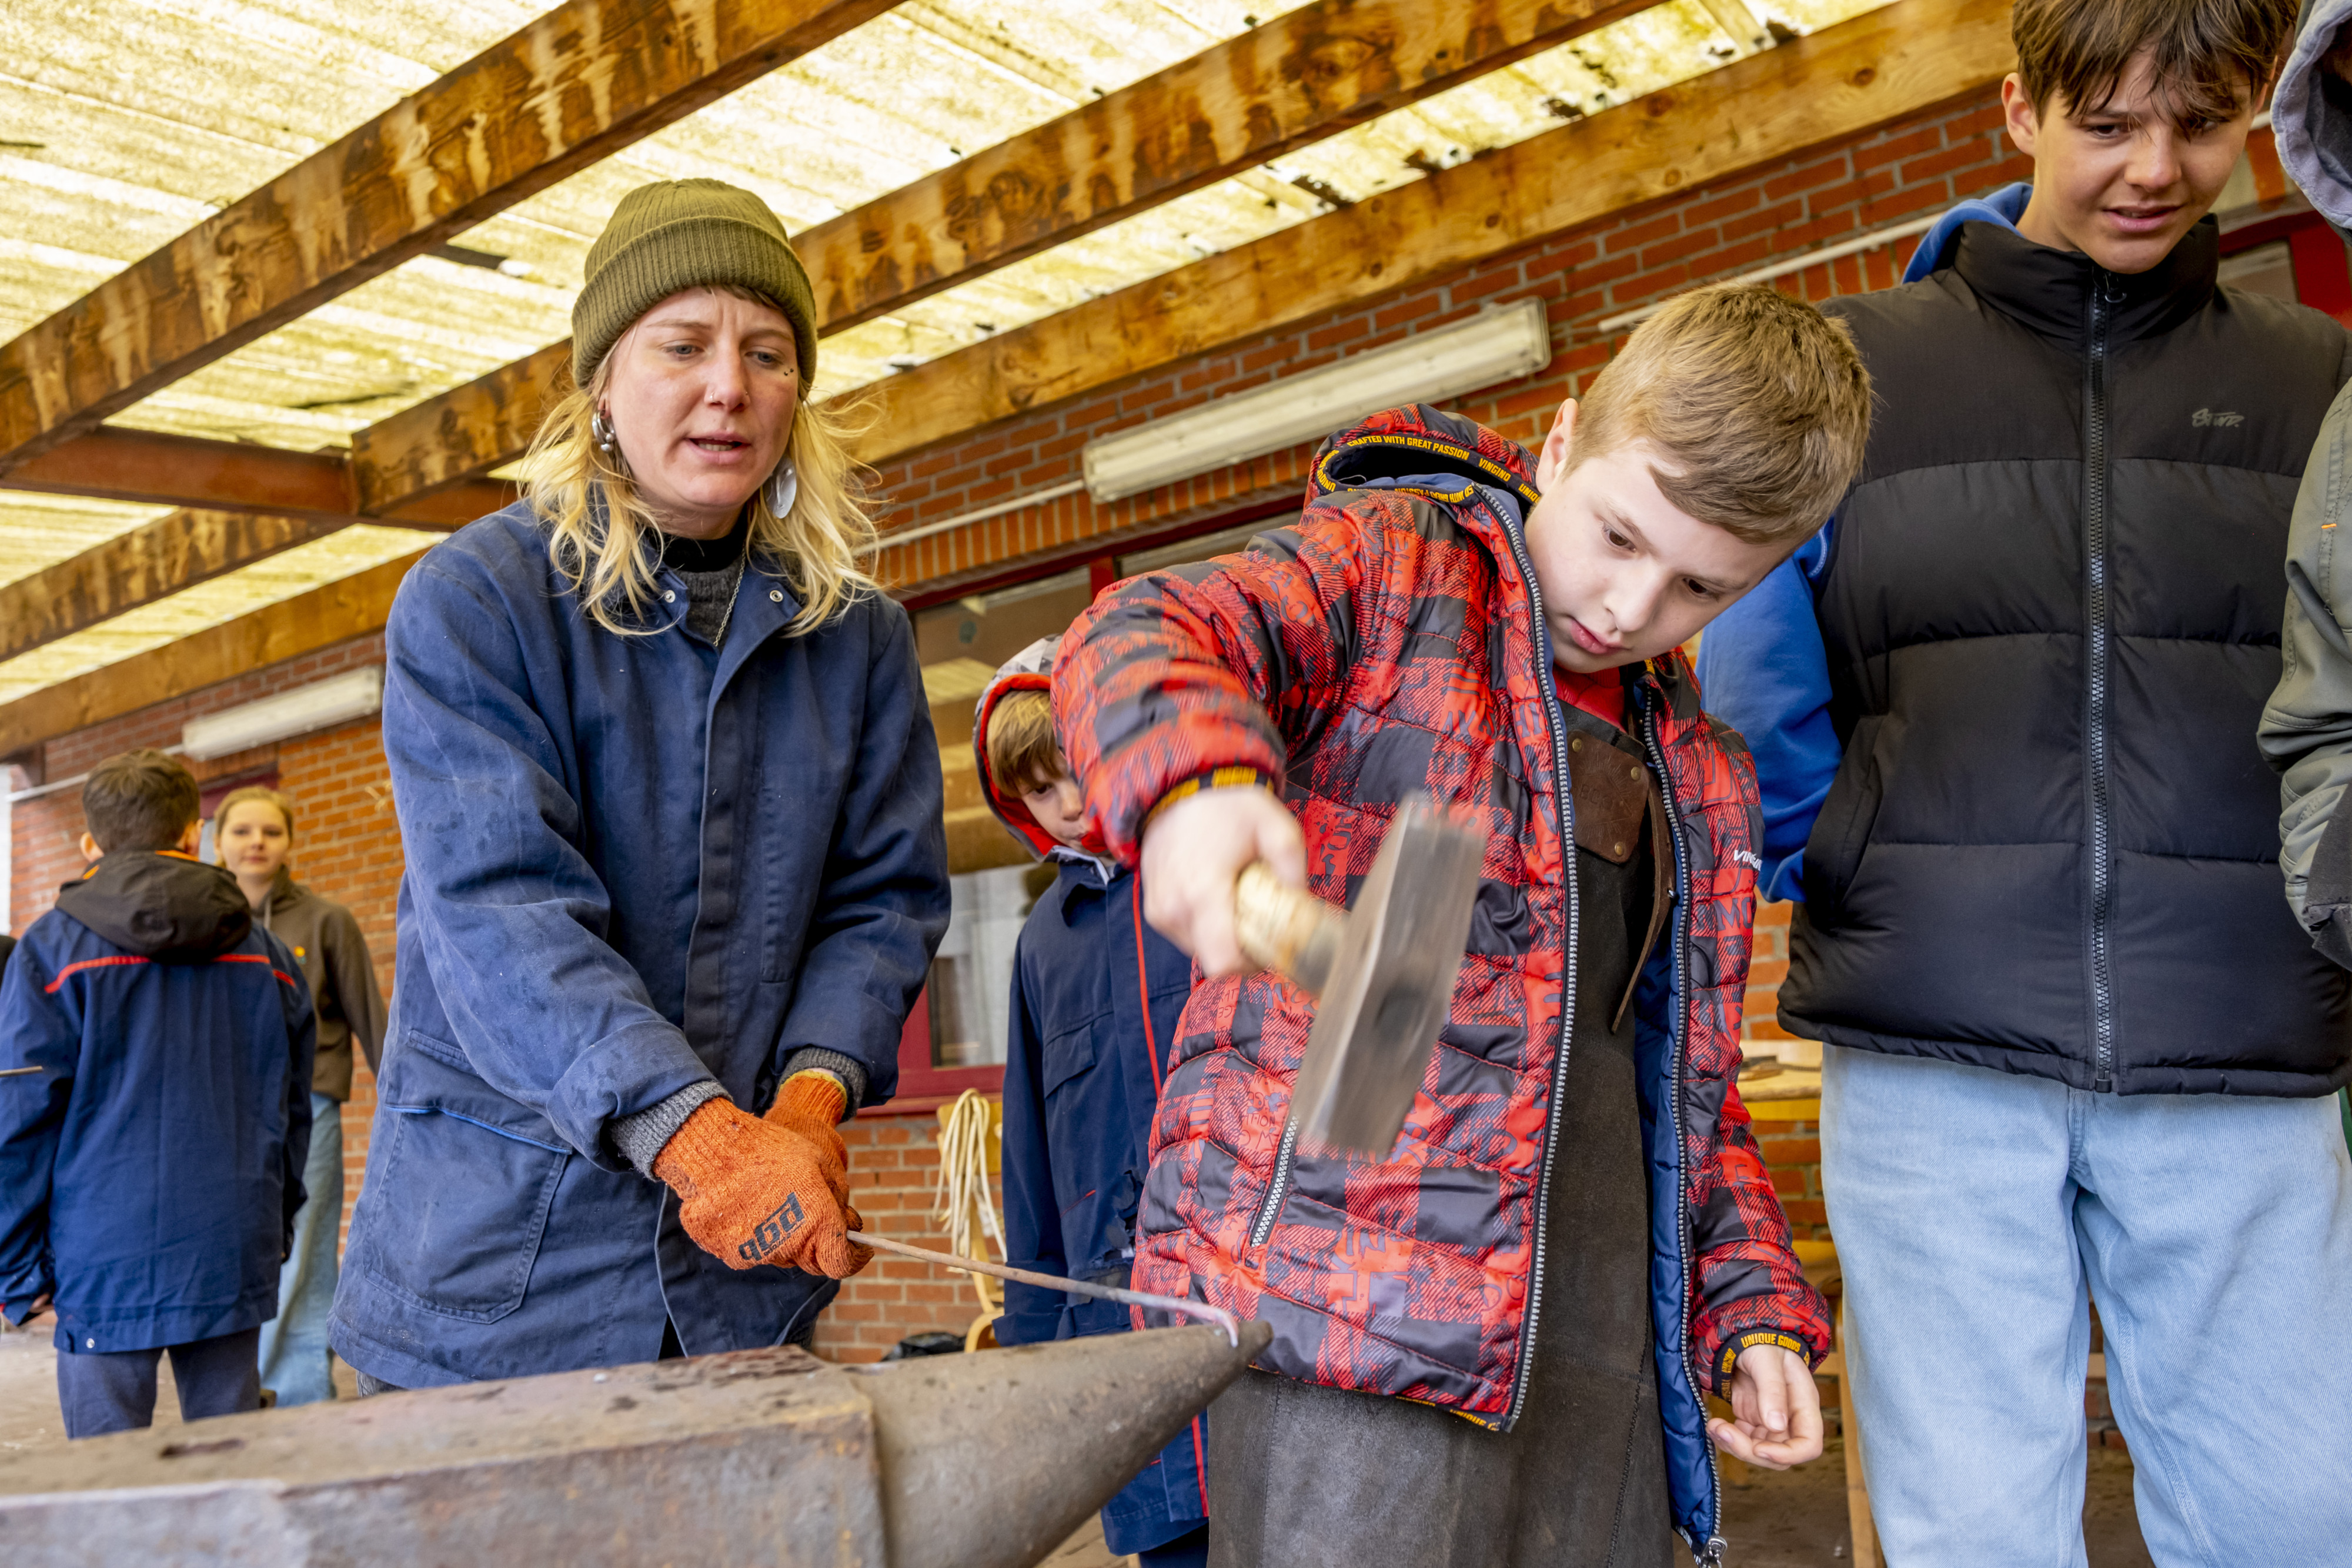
(1383, 974)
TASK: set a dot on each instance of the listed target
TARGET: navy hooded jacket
(1096, 996)
(634, 864)
(150, 1160)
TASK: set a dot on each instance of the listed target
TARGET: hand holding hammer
(1193, 854)
(1222, 879)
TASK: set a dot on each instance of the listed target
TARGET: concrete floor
(1795, 1519)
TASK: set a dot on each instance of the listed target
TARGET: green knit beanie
(687, 233)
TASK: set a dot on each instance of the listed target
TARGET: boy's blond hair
(1022, 752)
(1758, 404)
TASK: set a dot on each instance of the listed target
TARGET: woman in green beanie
(670, 800)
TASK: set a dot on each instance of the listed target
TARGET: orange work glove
(811, 1103)
(753, 1191)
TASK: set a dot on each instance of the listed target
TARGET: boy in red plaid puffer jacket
(1453, 615)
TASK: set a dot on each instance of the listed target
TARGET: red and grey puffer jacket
(1391, 643)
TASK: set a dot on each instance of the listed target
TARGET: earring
(600, 431)
(784, 489)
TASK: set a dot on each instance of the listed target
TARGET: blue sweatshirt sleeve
(1032, 1222)
(1762, 670)
(37, 1031)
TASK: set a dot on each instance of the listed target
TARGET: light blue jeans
(1976, 1215)
(294, 1358)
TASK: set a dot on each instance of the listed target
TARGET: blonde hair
(1757, 402)
(261, 792)
(1022, 752)
(601, 552)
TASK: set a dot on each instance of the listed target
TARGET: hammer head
(1391, 985)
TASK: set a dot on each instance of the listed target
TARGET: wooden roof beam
(265, 500)
(575, 86)
(1303, 77)
(149, 563)
(1912, 57)
(115, 463)
(1840, 83)
(336, 612)
(1292, 82)
(445, 441)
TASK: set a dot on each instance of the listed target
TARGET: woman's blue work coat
(633, 862)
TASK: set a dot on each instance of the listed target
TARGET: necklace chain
(734, 590)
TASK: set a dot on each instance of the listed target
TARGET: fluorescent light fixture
(322, 704)
(1498, 345)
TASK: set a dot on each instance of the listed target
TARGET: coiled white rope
(963, 1186)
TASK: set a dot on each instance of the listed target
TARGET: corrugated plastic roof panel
(121, 125)
(225, 598)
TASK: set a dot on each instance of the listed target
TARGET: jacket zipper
(1553, 723)
(1564, 809)
(1275, 1189)
(2097, 647)
(1653, 698)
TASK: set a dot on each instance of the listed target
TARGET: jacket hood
(2311, 114)
(1030, 670)
(2004, 207)
(284, 893)
(1417, 443)
(160, 905)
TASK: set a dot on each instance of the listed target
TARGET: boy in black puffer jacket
(150, 1161)
(2003, 711)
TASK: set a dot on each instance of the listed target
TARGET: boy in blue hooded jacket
(1096, 995)
(155, 1114)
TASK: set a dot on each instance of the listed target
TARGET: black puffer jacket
(2052, 616)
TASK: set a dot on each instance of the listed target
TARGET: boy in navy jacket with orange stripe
(1096, 995)
(154, 1115)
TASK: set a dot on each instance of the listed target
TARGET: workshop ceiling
(124, 123)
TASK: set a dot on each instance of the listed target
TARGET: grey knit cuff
(849, 1069)
(642, 1136)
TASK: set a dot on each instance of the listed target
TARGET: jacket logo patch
(1748, 858)
(772, 1231)
(2205, 416)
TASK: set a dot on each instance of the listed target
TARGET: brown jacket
(327, 943)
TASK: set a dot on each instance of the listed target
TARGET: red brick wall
(894, 1164)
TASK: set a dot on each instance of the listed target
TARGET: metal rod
(1200, 1310)
(16, 1071)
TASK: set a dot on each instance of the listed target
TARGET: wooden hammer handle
(1286, 929)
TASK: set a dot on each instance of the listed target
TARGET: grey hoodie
(2311, 114)
(2306, 728)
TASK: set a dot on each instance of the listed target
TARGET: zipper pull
(1713, 1556)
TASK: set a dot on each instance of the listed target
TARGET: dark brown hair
(1022, 754)
(2213, 57)
(1758, 404)
(140, 800)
